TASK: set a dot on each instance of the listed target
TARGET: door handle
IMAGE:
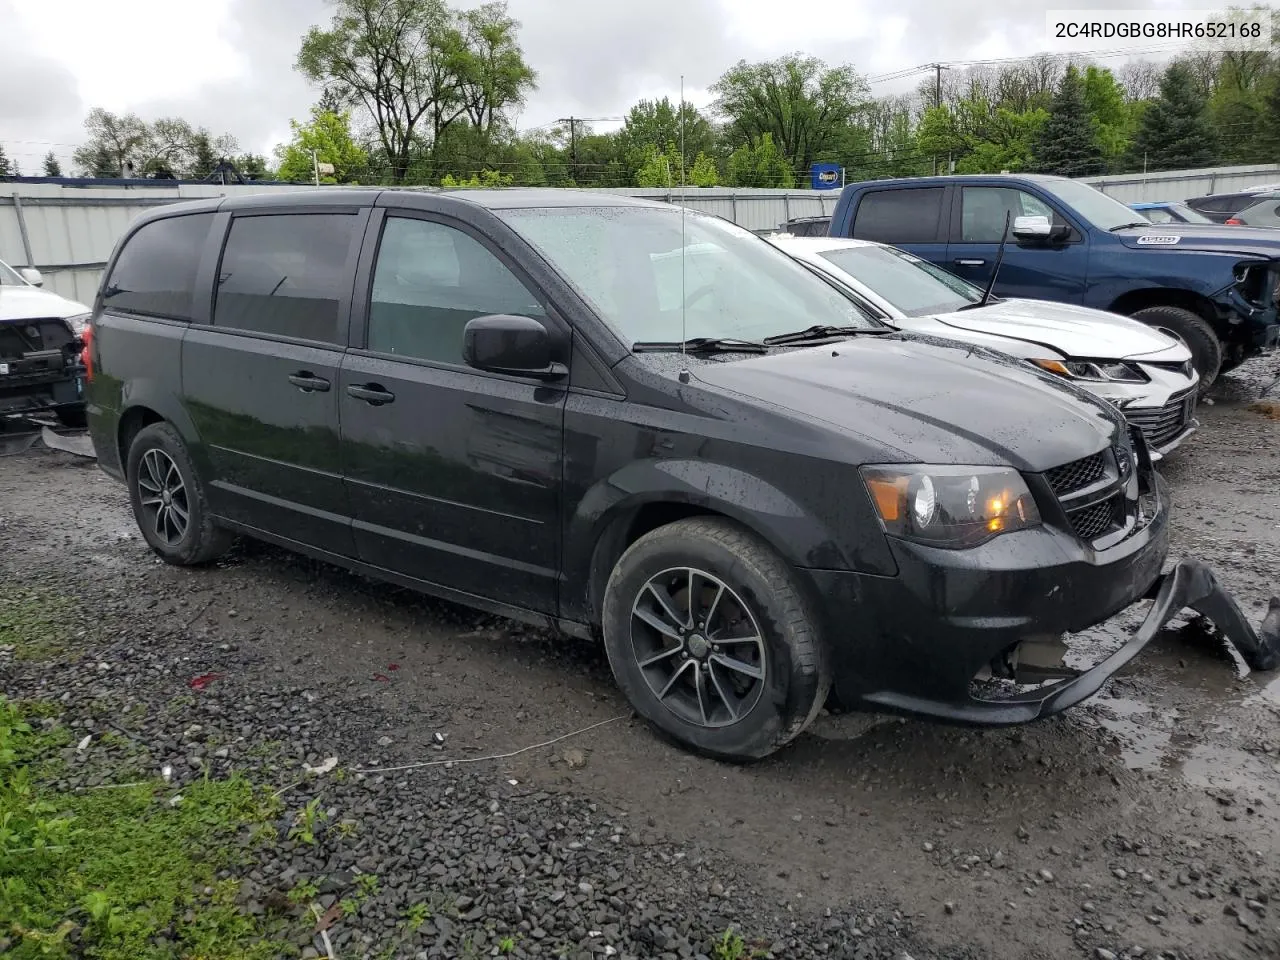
(306, 381)
(969, 263)
(372, 393)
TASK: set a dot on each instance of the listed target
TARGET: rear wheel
(1192, 330)
(169, 500)
(712, 640)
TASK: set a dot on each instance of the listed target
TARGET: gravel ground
(1140, 824)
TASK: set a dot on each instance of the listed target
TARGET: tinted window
(983, 210)
(899, 216)
(155, 274)
(430, 279)
(284, 275)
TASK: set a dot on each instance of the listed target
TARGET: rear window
(155, 274)
(899, 216)
(285, 274)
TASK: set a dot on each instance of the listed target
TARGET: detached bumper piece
(1189, 585)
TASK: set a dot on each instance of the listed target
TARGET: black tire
(72, 417)
(199, 540)
(796, 670)
(1193, 330)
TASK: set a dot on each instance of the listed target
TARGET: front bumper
(915, 642)
(26, 391)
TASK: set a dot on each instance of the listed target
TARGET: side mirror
(1032, 228)
(503, 343)
(32, 276)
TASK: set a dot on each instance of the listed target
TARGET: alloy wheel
(699, 647)
(163, 496)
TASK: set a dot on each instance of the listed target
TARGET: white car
(40, 367)
(1146, 373)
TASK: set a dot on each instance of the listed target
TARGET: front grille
(1159, 425)
(1077, 475)
(1091, 522)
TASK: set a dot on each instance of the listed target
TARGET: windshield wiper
(702, 345)
(1126, 226)
(821, 332)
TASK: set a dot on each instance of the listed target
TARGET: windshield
(1189, 215)
(9, 277)
(915, 287)
(1105, 213)
(627, 262)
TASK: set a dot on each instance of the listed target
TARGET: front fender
(597, 526)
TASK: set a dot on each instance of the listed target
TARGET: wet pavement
(1143, 822)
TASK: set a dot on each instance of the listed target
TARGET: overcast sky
(228, 64)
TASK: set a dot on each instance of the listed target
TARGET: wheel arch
(148, 403)
(608, 520)
(1132, 301)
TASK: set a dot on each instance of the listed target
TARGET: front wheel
(169, 500)
(713, 641)
(1192, 330)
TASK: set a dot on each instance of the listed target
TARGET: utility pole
(573, 136)
(937, 100)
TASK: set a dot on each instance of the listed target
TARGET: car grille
(1091, 491)
(1161, 424)
(1077, 475)
(1093, 521)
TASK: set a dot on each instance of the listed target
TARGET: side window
(429, 281)
(899, 216)
(284, 274)
(983, 210)
(155, 274)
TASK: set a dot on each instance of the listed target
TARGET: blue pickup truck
(1216, 288)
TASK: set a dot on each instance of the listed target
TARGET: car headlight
(78, 322)
(947, 506)
(1097, 371)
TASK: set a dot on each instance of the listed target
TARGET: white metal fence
(67, 232)
(1181, 184)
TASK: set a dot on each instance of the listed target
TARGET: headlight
(78, 322)
(1098, 371)
(951, 507)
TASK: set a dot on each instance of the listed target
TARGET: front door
(1057, 271)
(454, 474)
(261, 381)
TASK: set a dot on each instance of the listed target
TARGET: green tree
(52, 166)
(1269, 121)
(803, 105)
(979, 138)
(169, 146)
(704, 172)
(4, 163)
(656, 123)
(252, 166)
(1113, 119)
(329, 135)
(761, 165)
(485, 178)
(1068, 142)
(1174, 133)
(415, 68)
(659, 169)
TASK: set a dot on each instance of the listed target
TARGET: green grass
(120, 874)
(39, 626)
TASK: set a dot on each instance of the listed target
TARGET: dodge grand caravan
(532, 402)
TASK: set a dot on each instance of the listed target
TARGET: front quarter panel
(1116, 270)
(622, 456)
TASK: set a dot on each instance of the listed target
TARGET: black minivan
(626, 420)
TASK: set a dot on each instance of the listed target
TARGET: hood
(1262, 242)
(926, 400)
(32, 303)
(1067, 329)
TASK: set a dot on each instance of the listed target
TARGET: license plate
(4, 369)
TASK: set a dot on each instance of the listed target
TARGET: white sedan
(40, 367)
(1144, 372)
